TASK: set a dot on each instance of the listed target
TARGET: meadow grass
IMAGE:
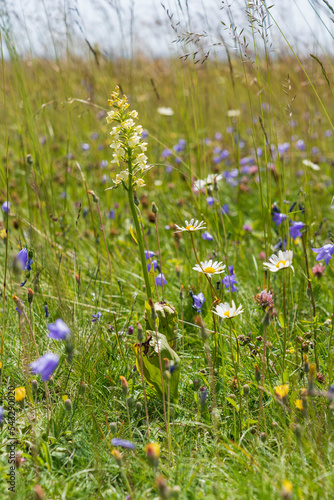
(254, 414)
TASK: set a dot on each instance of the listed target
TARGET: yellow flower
(299, 404)
(281, 391)
(3, 234)
(65, 397)
(303, 392)
(117, 456)
(153, 453)
(287, 487)
(152, 450)
(20, 394)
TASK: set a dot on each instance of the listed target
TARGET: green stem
(138, 230)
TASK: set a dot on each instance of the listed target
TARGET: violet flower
(154, 263)
(324, 253)
(96, 316)
(58, 330)
(5, 207)
(229, 280)
(198, 301)
(207, 236)
(22, 258)
(45, 365)
(160, 280)
(124, 443)
(295, 230)
(278, 218)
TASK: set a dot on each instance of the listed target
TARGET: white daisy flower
(199, 184)
(165, 111)
(233, 113)
(209, 182)
(193, 225)
(310, 164)
(283, 260)
(227, 312)
(209, 267)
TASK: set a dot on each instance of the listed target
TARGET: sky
(122, 27)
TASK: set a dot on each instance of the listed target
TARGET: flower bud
(130, 403)
(263, 437)
(68, 405)
(130, 330)
(95, 198)
(140, 336)
(139, 406)
(196, 384)
(257, 374)
(153, 311)
(154, 208)
(125, 386)
(82, 387)
(30, 295)
(203, 396)
(113, 428)
(29, 159)
(117, 456)
(39, 492)
(246, 390)
(153, 453)
(164, 490)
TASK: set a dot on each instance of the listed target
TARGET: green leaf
(281, 320)
(151, 364)
(167, 316)
(233, 403)
(47, 455)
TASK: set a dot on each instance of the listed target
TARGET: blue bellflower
(324, 253)
(198, 301)
(225, 209)
(154, 263)
(96, 316)
(230, 281)
(124, 443)
(45, 366)
(22, 258)
(210, 201)
(5, 207)
(58, 330)
(278, 218)
(207, 236)
(160, 280)
(295, 230)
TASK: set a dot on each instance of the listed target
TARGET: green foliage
(151, 365)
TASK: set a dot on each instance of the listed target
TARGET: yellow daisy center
(227, 313)
(281, 262)
(209, 270)
(190, 228)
